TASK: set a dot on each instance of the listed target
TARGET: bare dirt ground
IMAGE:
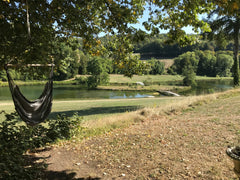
(190, 144)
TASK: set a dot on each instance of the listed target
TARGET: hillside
(177, 144)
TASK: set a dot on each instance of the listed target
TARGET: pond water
(210, 86)
(72, 92)
(75, 92)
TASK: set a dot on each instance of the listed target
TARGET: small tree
(189, 74)
(224, 65)
(181, 61)
(66, 60)
(207, 63)
(98, 68)
(157, 67)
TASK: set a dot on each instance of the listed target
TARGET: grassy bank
(157, 78)
(161, 106)
(184, 139)
(119, 80)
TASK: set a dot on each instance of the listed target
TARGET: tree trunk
(236, 61)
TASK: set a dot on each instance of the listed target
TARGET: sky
(188, 29)
(144, 18)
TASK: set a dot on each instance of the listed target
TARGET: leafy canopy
(60, 19)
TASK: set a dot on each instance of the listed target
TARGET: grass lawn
(114, 78)
(95, 109)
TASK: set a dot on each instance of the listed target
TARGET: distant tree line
(158, 48)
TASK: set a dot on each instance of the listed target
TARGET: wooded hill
(156, 47)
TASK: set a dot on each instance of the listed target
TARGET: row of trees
(203, 63)
(157, 48)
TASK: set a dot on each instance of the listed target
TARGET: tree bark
(236, 58)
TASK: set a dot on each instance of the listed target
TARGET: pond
(75, 92)
(210, 86)
(71, 92)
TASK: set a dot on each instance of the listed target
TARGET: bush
(82, 80)
(17, 138)
(92, 82)
(207, 63)
(181, 61)
(224, 65)
(204, 63)
(98, 67)
(157, 67)
(189, 75)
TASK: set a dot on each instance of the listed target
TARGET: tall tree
(28, 27)
(225, 22)
(174, 15)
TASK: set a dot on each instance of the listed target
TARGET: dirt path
(183, 145)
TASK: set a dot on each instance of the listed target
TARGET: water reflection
(72, 92)
(210, 86)
(76, 92)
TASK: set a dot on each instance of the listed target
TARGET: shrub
(82, 80)
(207, 63)
(157, 67)
(98, 67)
(224, 65)
(16, 138)
(189, 75)
(181, 61)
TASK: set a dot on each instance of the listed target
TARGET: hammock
(32, 112)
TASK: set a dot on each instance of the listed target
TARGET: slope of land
(184, 144)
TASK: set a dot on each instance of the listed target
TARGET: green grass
(157, 78)
(95, 109)
(153, 78)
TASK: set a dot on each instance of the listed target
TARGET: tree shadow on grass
(97, 111)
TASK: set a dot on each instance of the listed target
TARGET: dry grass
(185, 140)
(117, 121)
(145, 88)
(173, 106)
(168, 62)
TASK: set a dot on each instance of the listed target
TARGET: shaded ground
(183, 145)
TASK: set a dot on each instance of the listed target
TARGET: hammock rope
(32, 112)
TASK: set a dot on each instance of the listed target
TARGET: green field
(156, 78)
(95, 109)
